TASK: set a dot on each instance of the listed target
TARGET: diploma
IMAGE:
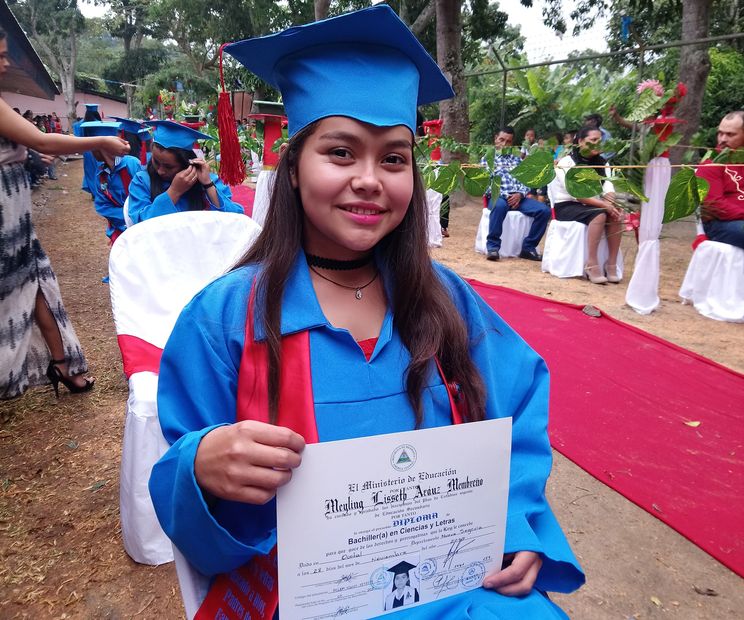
(369, 526)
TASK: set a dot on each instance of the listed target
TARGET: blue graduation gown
(142, 207)
(109, 201)
(90, 163)
(353, 398)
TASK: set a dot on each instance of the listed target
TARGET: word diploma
(369, 526)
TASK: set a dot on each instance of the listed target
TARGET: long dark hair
(425, 315)
(195, 196)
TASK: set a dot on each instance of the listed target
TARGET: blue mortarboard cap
(127, 124)
(145, 134)
(170, 134)
(100, 128)
(366, 65)
(93, 107)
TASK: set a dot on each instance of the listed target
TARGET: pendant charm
(358, 293)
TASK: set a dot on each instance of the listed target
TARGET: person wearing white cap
(336, 324)
(176, 179)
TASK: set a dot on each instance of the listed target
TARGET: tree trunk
(694, 67)
(321, 9)
(454, 112)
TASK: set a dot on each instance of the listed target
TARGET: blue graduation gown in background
(142, 207)
(90, 163)
(113, 211)
(353, 398)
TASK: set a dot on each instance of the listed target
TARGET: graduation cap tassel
(232, 166)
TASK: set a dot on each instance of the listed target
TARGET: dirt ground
(60, 545)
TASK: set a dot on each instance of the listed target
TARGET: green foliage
(648, 104)
(583, 182)
(536, 170)
(685, 193)
(724, 91)
(623, 184)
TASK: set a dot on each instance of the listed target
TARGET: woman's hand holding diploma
(518, 576)
(247, 461)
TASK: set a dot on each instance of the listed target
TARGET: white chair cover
(515, 228)
(565, 250)
(155, 268)
(434, 204)
(194, 586)
(643, 289)
(125, 210)
(264, 185)
(714, 282)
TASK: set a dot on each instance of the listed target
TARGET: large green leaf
(447, 178)
(685, 193)
(536, 170)
(626, 185)
(475, 181)
(583, 183)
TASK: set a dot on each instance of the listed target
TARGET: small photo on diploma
(404, 584)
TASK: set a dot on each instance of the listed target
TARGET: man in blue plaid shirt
(513, 196)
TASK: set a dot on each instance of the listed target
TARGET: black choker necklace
(338, 265)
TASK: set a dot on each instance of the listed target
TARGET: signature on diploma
(458, 545)
(342, 611)
(346, 578)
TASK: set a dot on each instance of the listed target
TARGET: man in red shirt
(723, 207)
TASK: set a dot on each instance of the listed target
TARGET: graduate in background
(175, 178)
(336, 324)
(89, 162)
(113, 175)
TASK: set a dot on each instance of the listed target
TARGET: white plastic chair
(125, 210)
(566, 249)
(155, 268)
(714, 281)
(264, 187)
(515, 228)
(434, 228)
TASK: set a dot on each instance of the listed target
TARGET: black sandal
(55, 375)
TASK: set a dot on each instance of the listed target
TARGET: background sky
(541, 42)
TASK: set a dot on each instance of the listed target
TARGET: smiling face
(591, 144)
(355, 182)
(165, 163)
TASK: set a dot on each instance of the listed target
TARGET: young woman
(339, 312)
(599, 213)
(176, 179)
(38, 344)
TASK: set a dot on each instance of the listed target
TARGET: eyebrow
(350, 137)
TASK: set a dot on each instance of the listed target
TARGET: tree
(697, 18)
(53, 26)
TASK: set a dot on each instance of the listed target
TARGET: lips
(362, 209)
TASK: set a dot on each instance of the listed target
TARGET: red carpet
(620, 401)
(244, 196)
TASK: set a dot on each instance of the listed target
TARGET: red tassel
(232, 166)
(143, 153)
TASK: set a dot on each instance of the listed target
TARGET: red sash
(126, 179)
(251, 591)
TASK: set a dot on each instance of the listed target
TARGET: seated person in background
(513, 196)
(175, 179)
(527, 143)
(110, 183)
(723, 208)
(565, 147)
(598, 213)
